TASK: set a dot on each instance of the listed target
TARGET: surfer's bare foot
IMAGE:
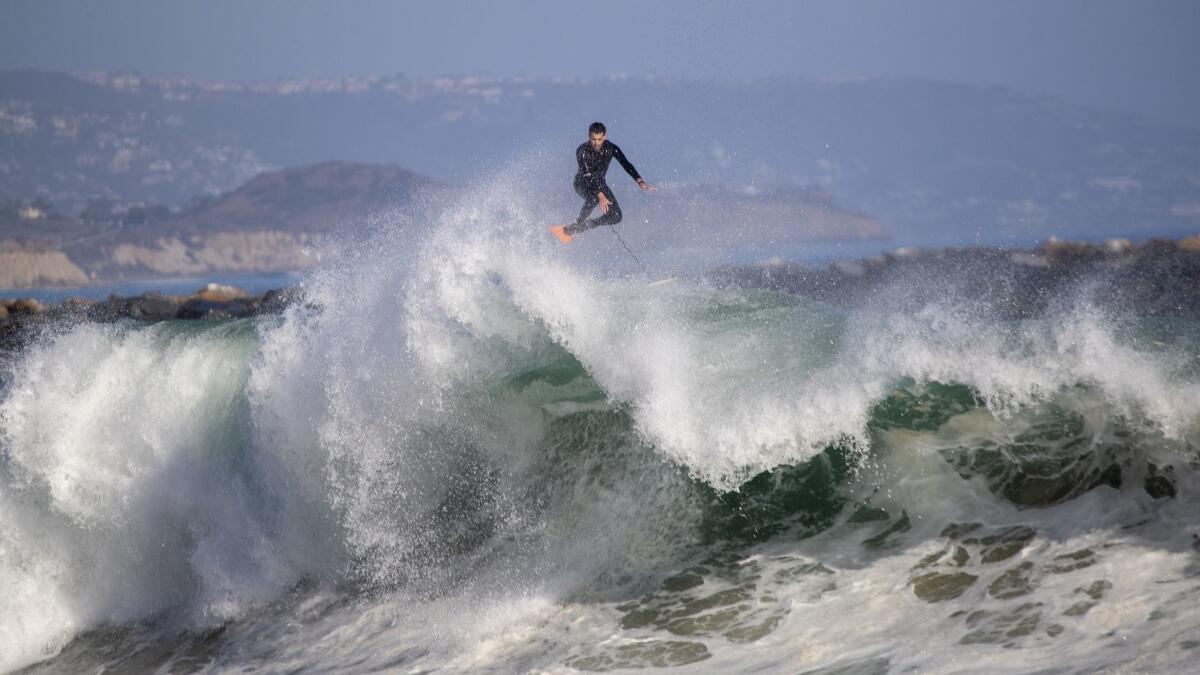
(560, 231)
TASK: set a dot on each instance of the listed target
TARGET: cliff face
(21, 268)
(237, 251)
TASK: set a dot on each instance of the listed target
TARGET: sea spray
(480, 452)
(129, 489)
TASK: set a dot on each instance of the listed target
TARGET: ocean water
(485, 455)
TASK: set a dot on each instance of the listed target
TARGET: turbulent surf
(478, 456)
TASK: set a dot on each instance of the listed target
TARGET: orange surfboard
(560, 232)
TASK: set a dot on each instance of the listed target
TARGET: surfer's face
(597, 140)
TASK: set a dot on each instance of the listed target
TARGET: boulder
(1119, 246)
(1190, 244)
(197, 308)
(24, 306)
(77, 304)
(146, 307)
(1070, 252)
(150, 307)
(277, 299)
(220, 293)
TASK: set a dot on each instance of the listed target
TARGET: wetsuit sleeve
(625, 163)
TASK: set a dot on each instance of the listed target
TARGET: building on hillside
(29, 212)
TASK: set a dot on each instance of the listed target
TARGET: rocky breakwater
(23, 319)
(1157, 278)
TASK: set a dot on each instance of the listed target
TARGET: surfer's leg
(589, 203)
(614, 210)
(611, 218)
(590, 200)
(582, 223)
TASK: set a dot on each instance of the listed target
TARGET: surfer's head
(596, 134)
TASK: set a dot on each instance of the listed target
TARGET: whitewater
(488, 455)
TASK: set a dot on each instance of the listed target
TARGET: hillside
(269, 224)
(314, 198)
(70, 141)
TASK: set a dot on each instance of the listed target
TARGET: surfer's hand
(604, 203)
(646, 186)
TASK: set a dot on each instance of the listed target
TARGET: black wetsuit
(589, 183)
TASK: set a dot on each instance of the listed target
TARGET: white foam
(198, 471)
(129, 490)
(728, 396)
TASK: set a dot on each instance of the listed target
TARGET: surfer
(594, 157)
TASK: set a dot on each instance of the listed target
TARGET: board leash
(629, 250)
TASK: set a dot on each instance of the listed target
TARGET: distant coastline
(251, 283)
(130, 176)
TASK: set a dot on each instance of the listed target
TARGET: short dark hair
(597, 128)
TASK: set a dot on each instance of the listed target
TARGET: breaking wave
(485, 453)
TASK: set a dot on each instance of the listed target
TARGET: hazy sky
(1141, 55)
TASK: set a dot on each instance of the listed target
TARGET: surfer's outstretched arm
(628, 166)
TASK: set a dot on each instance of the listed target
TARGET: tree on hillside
(99, 211)
(147, 214)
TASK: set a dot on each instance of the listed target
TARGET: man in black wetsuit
(594, 157)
